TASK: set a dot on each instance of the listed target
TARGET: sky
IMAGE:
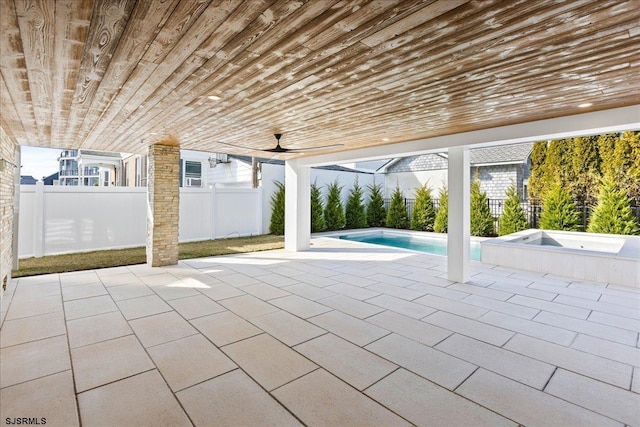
(39, 162)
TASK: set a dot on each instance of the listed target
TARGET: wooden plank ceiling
(121, 74)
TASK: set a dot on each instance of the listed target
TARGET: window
(192, 174)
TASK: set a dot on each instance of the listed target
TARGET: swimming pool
(431, 243)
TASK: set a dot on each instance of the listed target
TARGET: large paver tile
(550, 307)
(574, 292)
(248, 306)
(426, 404)
(352, 280)
(83, 291)
(602, 307)
(264, 291)
(175, 290)
(509, 364)
(407, 308)
(396, 291)
(89, 307)
(613, 402)
(587, 364)
(51, 398)
(268, 361)
(355, 330)
(308, 291)
(119, 293)
(299, 306)
(608, 349)
(35, 306)
(33, 328)
(616, 321)
(188, 361)
(278, 280)
(220, 291)
(635, 384)
(323, 400)
(144, 306)
(453, 307)
(102, 327)
(316, 281)
(141, 400)
(528, 327)
(345, 360)
(196, 306)
(25, 362)
(120, 279)
(98, 364)
(518, 290)
(469, 327)
(225, 328)
(439, 367)
(351, 291)
(239, 279)
(161, 328)
(233, 399)
(502, 307)
(350, 306)
(286, 327)
(526, 405)
(438, 290)
(416, 330)
(37, 291)
(481, 291)
(587, 327)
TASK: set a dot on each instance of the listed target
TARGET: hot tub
(604, 258)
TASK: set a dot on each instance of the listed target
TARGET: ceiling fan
(278, 149)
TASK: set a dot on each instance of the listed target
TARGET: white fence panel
(238, 212)
(55, 220)
(196, 222)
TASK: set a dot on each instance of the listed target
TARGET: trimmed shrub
(355, 214)
(376, 212)
(424, 213)
(317, 219)
(441, 223)
(513, 218)
(397, 214)
(612, 214)
(558, 210)
(333, 210)
(481, 218)
(277, 210)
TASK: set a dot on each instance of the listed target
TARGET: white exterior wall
(410, 181)
(235, 173)
(322, 177)
(60, 219)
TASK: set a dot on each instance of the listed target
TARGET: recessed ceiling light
(385, 139)
(585, 105)
(214, 97)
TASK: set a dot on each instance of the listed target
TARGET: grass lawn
(118, 257)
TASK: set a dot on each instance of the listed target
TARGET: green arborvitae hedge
(424, 213)
(317, 218)
(334, 218)
(376, 212)
(559, 210)
(355, 213)
(442, 216)
(513, 218)
(613, 214)
(397, 214)
(277, 210)
(481, 218)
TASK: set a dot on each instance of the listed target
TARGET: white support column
(459, 223)
(297, 217)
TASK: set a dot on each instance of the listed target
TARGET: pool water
(431, 245)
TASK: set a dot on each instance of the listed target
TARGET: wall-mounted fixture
(219, 158)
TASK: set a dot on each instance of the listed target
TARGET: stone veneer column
(164, 198)
(9, 173)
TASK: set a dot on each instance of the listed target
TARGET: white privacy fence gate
(57, 219)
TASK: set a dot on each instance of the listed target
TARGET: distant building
(51, 179)
(497, 168)
(27, 180)
(89, 168)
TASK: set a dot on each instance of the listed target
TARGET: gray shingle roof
(512, 153)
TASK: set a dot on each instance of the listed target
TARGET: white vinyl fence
(55, 220)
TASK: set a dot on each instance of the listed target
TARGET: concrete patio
(343, 334)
